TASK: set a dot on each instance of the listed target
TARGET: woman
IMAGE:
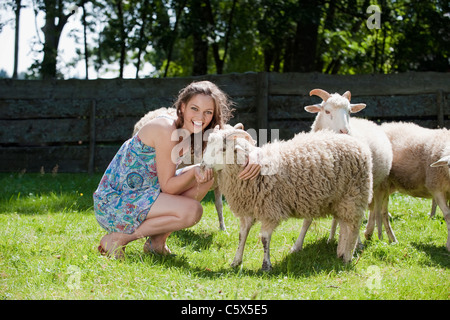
(142, 194)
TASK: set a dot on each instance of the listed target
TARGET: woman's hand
(252, 167)
(203, 175)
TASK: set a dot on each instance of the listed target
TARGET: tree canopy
(195, 37)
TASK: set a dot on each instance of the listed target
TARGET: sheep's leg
(334, 223)
(245, 226)
(442, 203)
(352, 232)
(379, 220)
(433, 208)
(342, 239)
(298, 245)
(384, 201)
(370, 225)
(219, 208)
(266, 234)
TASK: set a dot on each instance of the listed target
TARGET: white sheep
(310, 176)
(188, 157)
(421, 163)
(334, 114)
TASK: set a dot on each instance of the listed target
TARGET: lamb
(420, 167)
(187, 159)
(310, 176)
(334, 114)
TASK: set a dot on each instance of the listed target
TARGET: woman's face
(198, 113)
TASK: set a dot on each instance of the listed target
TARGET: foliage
(48, 240)
(190, 37)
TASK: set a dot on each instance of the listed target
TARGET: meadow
(49, 238)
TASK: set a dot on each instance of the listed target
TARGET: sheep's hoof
(235, 264)
(266, 267)
(294, 250)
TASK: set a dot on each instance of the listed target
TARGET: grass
(49, 236)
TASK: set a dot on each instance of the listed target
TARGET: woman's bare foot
(151, 247)
(110, 245)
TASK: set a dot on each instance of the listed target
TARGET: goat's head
(227, 146)
(334, 110)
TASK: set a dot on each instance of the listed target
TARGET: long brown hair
(222, 104)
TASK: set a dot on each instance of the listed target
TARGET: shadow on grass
(438, 255)
(315, 258)
(187, 238)
(34, 193)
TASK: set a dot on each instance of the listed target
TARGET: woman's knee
(193, 212)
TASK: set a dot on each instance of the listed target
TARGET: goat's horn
(321, 93)
(239, 133)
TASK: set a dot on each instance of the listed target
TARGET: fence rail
(78, 125)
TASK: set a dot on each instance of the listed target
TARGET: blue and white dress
(128, 188)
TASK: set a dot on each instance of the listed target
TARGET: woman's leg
(189, 216)
(168, 213)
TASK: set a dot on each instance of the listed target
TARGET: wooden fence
(78, 125)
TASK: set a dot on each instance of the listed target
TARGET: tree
(16, 37)
(196, 37)
(55, 20)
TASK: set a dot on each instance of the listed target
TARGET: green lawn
(49, 238)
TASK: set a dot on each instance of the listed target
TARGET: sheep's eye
(327, 112)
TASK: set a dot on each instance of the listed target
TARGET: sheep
(310, 176)
(188, 157)
(420, 167)
(334, 114)
(171, 112)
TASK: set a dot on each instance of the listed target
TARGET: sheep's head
(228, 146)
(334, 110)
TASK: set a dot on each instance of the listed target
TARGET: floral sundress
(128, 188)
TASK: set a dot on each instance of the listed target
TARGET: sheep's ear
(216, 128)
(239, 126)
(444, 161)
(357, 107)
(314, 108)
(347, 95)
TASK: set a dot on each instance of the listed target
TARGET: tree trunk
(301, 51)
(141, 41)
(52, 33)
(16, 43)
(200, 34)
(86, 52)
(174, 36)
(122, 38)
(220, 61)
(200, 66)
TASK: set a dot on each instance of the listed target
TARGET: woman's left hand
(202, 176)
(252, 168)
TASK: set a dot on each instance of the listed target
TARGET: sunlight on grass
(49, 236)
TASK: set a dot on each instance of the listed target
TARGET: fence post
(92, 138)
(440, 110)
(262, 100)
